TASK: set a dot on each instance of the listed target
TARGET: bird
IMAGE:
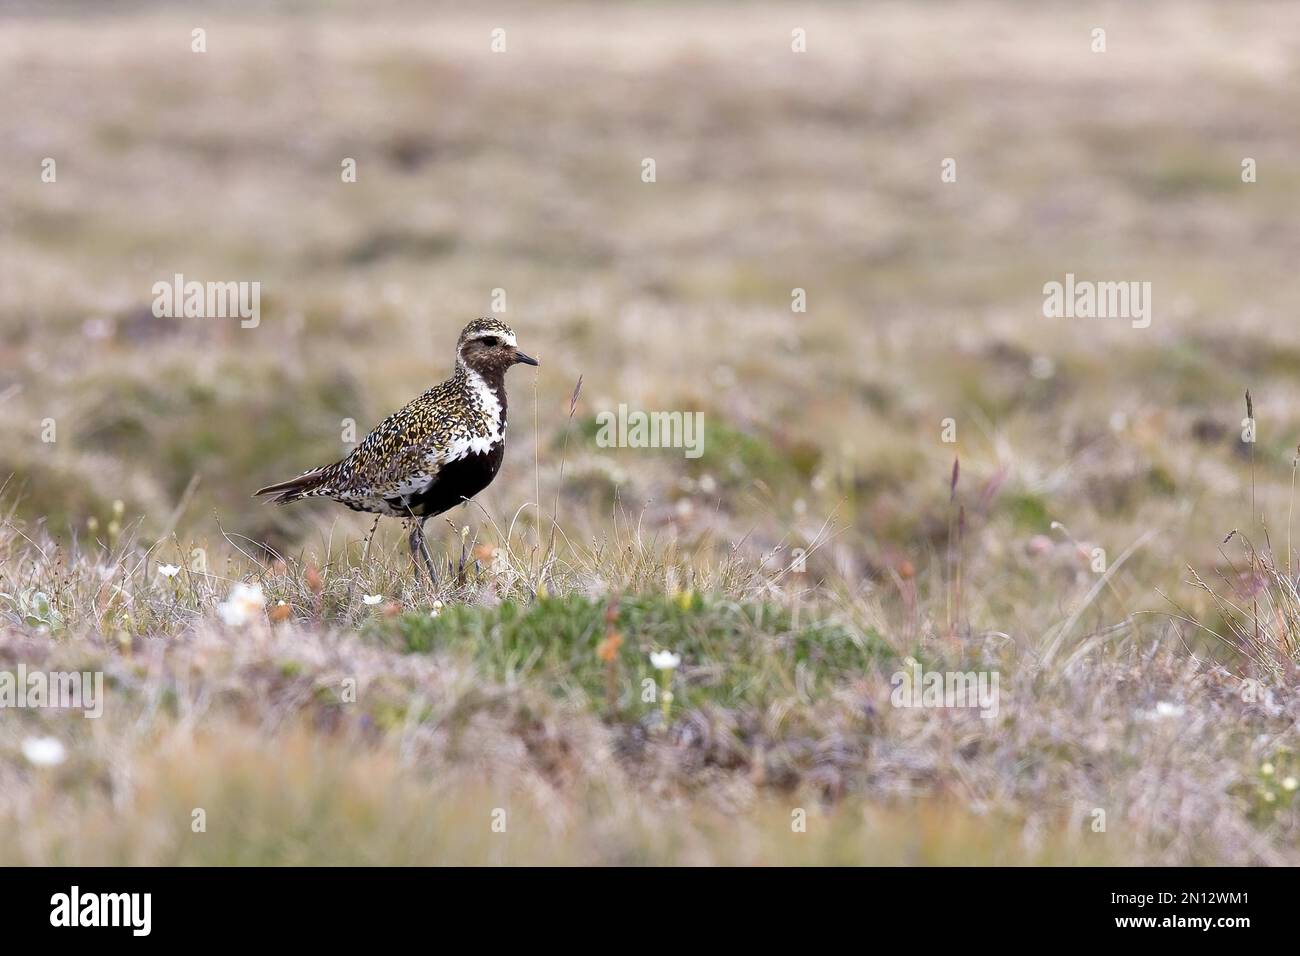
(437, 451)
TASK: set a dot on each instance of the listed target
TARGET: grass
(555, 642)
(782, 701)
(331, 728)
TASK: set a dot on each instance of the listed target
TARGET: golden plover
(439, 450)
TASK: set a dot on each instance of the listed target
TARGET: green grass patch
(734, 456)
(1028, 511)
(732, 654)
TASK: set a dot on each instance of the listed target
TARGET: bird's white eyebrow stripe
(506, 337)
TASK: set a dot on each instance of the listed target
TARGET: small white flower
(44, 751)
(169, 570)
(1266, 769)
(1289, 783)
(664, 660)
(245, 602)
(1163, 710)
(372, 598)
(437, 608)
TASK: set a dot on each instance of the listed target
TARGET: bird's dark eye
(491, 341)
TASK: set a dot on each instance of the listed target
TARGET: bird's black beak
(526, 359)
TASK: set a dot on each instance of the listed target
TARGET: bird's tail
(305, 485)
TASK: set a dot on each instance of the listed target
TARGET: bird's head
(489, 347)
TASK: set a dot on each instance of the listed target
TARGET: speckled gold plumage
(451, 435)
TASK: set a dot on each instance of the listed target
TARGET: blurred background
(776, 170)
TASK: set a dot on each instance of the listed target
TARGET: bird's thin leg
(414, 541)
(420, 551)
(365, 553)
(428, 561)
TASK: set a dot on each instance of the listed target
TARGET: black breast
(456, 481)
